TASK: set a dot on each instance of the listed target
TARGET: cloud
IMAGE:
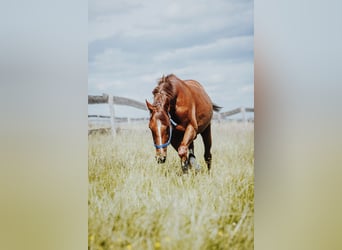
(227, 48)
(167, 20)
(133, 43)
(247, 89)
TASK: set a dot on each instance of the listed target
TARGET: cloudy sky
(133, 43)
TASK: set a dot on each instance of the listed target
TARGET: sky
(131, 44)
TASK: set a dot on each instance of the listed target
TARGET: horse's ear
(149, 106)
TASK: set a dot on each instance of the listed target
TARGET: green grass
(135, 203)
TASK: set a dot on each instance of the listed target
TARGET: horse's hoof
(185, 165)
(185, 170)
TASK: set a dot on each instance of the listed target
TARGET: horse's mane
(165, 91)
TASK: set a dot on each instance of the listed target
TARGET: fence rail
(99, 99)
(116, 100)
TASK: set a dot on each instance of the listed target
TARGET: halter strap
(174, 124)
(165, 144)
(172, 121)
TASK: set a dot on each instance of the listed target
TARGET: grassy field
(134, 203)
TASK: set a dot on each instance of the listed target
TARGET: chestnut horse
(181, 109)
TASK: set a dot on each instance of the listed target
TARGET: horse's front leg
(189, 136)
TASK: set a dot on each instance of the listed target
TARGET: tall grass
(134, 203)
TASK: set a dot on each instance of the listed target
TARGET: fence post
(243, 112)
(219, 117)
(112, 114)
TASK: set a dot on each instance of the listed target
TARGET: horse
(180, 111)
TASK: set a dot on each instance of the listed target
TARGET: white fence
(112, 123)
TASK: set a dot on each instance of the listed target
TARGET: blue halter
(174, 124)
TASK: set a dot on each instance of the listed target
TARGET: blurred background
(44, 76)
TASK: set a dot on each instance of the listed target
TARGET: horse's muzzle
(161, 158)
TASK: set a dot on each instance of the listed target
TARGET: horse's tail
(216, 107)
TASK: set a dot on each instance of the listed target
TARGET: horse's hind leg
(206, 136)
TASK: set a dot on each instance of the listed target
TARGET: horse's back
(199, 94)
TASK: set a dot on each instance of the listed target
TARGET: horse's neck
(177, 88)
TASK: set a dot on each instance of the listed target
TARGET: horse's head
(161, 129)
